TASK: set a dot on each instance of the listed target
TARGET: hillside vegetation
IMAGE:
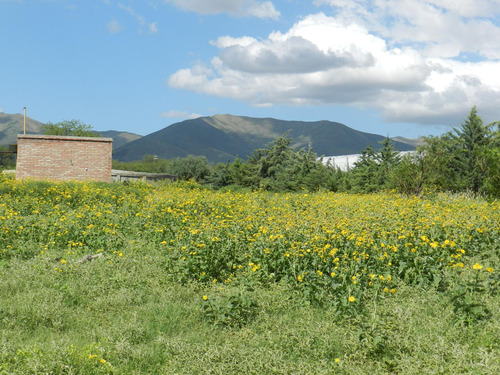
(466, 159)
(176, 278)
(224, 138)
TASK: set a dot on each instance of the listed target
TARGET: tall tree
(472, 138)
(365, 174)
(458, 160)
(492, 157)
(388, 158)
(273, 165)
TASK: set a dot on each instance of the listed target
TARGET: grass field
(178, 279)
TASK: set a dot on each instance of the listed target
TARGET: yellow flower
(337, 360)
(393, 291)
(477, 266)
(205, 298)
(489, 269)
(300, 278)
(254, 266)
(352, 299)
(63, 261)
(102, 360)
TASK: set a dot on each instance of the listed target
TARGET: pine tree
(492, 157)
(365, 174)
(472, 139)
(388, 158)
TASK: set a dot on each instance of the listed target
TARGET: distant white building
(345, 162)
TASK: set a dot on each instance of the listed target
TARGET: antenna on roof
(24, 120)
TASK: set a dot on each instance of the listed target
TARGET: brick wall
(63, 158)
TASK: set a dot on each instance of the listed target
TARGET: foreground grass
(127, 317)
(137, 307)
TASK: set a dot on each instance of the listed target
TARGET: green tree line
(466, 159)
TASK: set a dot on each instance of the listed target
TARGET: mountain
(222, 138)
(12, 125)
(120, 138)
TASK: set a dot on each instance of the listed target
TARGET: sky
(391, 67)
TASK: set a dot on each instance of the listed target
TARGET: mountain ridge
(224, 137)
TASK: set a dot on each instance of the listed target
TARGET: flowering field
(339, 253)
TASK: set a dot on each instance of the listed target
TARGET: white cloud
(240, 8)
(153, 29)
(444, 27)
(179, 114)
(114, 27)
(403, 62)
(140, 19)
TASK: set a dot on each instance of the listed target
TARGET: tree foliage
(190, 168)
(492, 159)
(280, 167)
(70, 128)
(411, 173)
(365, 174)
(464, 158)
(7, 160)
(471, 141)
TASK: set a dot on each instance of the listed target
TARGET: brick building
(54, 157)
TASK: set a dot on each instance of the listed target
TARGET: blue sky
(391, 67)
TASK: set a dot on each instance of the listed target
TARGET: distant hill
(12, 125)
(222, 138)
(120, 138)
